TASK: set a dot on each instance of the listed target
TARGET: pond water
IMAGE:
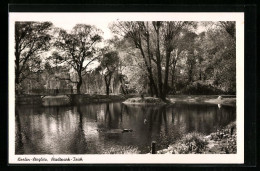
(96, 128)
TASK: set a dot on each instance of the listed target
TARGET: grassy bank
(146, 101)
(73, 99)
(87, 98)
(121, 150)
(171, 99)
(220, 142)
(214, 99)
(28, 99)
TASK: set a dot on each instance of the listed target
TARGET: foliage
(200, 89)
(218, 58)
(77, 49)
(150, 57)
(121, 150)
(109, 64)
(190, 143)
(224, 142)
(31, 39)
(110, 61)
(220, 142)
(155, 42)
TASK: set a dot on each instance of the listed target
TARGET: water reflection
(92, 128)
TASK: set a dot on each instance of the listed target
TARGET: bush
(190, 143)
(121, 150)
(200, 89)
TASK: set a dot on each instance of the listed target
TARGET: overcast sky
(69, 24)
(101, 20)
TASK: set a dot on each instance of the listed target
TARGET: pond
(97, 128)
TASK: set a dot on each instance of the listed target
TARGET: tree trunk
(173, 76)
(122, 86)
(17, 78)
(200, 77)
(165, 88)
(107, 90)
(152, 85)
(150, 73)
(172, 81)
(79, 83)
(159, 68)
(17, 66)
(107, 82)
(160, 86)
(190, 75)
(123, 90)
(151, 89)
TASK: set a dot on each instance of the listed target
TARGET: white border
(141, 158)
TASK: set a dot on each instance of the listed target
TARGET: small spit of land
(214, 99)
(71, 99)
(130, 99)
(145, 100)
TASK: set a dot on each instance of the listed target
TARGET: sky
(69, 24)
(101, 20)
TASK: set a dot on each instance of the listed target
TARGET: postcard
(126, 88)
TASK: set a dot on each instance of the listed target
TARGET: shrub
(200, 89)
(190, 143)
(121, 150)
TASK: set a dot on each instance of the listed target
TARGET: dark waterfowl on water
(114, 131)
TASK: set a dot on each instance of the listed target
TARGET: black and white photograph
(126, 88)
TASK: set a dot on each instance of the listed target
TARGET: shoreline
(190, 99)
(63, 100)
(223, 141)
(229, 100)
(127, 99)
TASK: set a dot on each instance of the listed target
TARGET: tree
(230, 27)
(214, 56)
(157, 25)
(78, 49)
(136, 31)
(31, 39)
(191, 54)
(155, 40)
(171, 31)
(109, 64)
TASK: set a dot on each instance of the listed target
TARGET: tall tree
(78, 49)
(31, 39)
(157, 25)
(109, 64)
(135, 31)
(171, 33)
(155, 40)
(216, 56)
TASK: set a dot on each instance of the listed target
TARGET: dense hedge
(201, 89)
